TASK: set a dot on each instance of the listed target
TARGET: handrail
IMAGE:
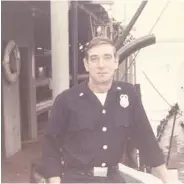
(135, 45)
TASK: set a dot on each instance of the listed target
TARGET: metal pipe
(126, 74)
(135, 72)
(131, 24)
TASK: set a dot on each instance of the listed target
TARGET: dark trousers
(77, 176)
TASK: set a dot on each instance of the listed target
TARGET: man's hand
(161, 172)
(54, 180)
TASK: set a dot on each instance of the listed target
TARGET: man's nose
(101, 63)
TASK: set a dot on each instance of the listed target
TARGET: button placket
(104, 147)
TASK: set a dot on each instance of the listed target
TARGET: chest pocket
(80, 118)
(122, 117)
(122, 122)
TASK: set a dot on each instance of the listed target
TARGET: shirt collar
(84, 89)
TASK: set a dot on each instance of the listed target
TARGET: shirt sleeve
(52, 143)
(142, 135)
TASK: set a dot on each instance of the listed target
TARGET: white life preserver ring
(11, 62)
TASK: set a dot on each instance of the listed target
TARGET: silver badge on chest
(124, 102)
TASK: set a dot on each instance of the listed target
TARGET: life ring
(11, 62)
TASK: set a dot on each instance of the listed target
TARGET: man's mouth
(102, 73)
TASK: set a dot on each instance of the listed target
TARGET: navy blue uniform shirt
(84, 133)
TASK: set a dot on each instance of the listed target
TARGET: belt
(95, 171)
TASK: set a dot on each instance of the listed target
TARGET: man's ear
(117, 59)
(86, 64)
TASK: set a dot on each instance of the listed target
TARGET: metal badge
(124, 102)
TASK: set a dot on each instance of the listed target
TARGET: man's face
(101, 63)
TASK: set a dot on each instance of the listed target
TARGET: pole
(131, 24)
(60, 46)
(74, 41)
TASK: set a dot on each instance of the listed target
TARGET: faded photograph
(92, 91)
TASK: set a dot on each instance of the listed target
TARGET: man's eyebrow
(93, 55)
(107, 54)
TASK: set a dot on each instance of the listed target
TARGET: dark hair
(98, 41)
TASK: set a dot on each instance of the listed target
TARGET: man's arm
(51, 153)
(161, 172)
(144, 139)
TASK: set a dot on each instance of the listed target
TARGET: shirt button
(103, 111)
(81, 94)
(105, 147)
(103, 164)
(104, 129)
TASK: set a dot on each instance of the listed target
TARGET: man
(89, 125)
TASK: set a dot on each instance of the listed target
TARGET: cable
(180, 113)
(148, 33)
(159, 16)
(156, 89)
